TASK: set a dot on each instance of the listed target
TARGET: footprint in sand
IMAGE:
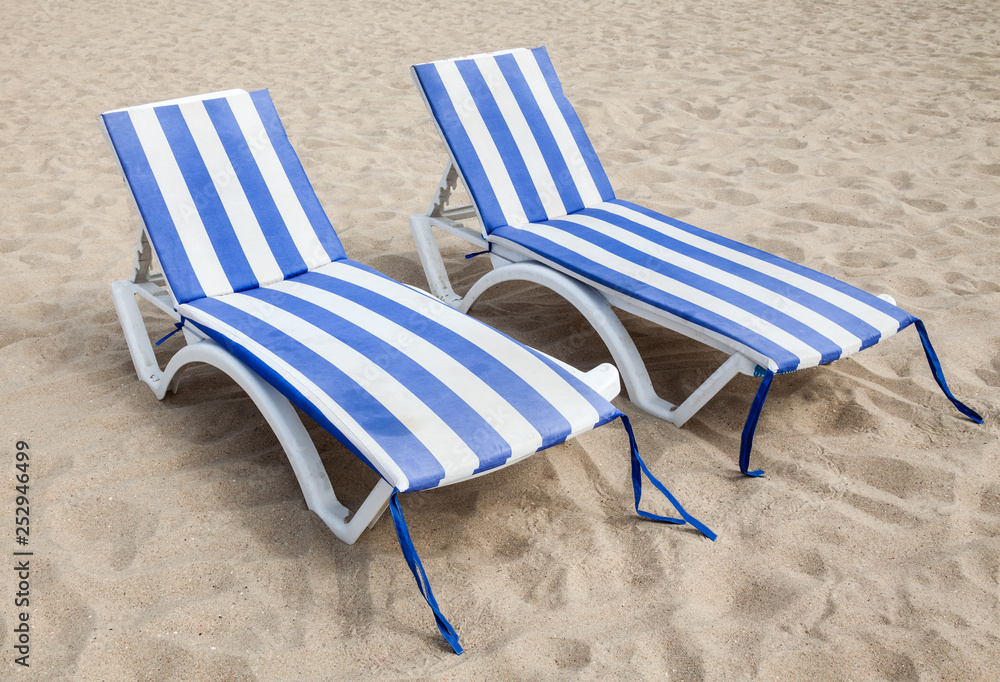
(810, 102)
(927, 205)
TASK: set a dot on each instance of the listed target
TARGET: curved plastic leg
(123, 293)
(430, 259)
(294, 439)
(598, 312)
(275, 407)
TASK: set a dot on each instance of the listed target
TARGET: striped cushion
(786, 316)
(514, 136)
(221, 191)
(425, 395)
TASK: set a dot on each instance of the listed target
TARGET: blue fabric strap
(938, 373)
(177, 328)
(477, 253)
(406, 544)
(746, 442)
(639, 468)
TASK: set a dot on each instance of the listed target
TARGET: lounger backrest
(518, 143)
(225, 200)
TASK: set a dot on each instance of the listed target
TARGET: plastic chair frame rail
(594, 303)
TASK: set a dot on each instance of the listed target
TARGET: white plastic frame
(276, 409)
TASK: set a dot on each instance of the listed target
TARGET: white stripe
(548, 193)
(517, 431)
(234, 200)
(455, 457)
(848, 342)
(482, 143)
(560, 128)
(876, 318)
(299, 228)
(187, 221)
(807, 355)
(338, 416)
(553, 388)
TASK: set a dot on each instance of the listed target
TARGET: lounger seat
(782, 315)
(547, 214)
(428, 396)
(259, 284)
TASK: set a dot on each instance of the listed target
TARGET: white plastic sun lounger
(257, 280)
(548, 215)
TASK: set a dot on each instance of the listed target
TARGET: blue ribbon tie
(932, 360)
(746, 441)
(410, 554)
(639, 468)
(177, 327)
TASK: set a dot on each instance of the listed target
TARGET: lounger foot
(430, 258)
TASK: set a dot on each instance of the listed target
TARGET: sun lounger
(548, 215)
(260, 286)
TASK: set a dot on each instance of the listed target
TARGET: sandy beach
(170, 540)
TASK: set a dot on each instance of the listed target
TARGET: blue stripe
(206, 199)
(932, 360)
(544, 138)
(633, 288)
(470, 426)
(845, 319)
(513, 388)
(903, 317)
(573, 121)
(510, 154)
(476, 181)
(257, 192)
(297, 176)
(159, 225)
(422, 469)
(828, 349)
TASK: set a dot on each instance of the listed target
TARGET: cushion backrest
(225, 200)
(518, 143)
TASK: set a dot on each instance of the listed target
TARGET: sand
(170, 539)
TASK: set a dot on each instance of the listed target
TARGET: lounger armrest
(604, 378)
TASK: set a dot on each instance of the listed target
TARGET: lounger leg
(277, 410)
(600, 315)
(707, 390)
(430, 258)
(123, 295)
(294, 439)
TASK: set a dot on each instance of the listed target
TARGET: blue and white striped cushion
(786, 316)
(540, 189)
(222, 192)
(425, 395)
(516, 139)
